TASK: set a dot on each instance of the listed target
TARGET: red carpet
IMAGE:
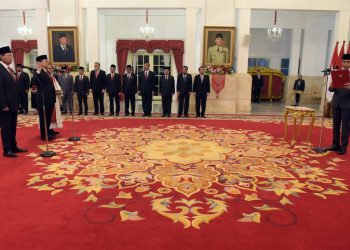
(174, 184)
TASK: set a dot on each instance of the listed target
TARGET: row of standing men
(116, 87)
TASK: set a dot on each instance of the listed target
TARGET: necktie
(201, 78)
(146, 74)
(128, 77)
(96, 73)
(81, 78)
(112, 76)
(218, 49)
(12, 73)
(166, 78)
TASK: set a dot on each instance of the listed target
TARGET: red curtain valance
(123, 46)
(19, 47)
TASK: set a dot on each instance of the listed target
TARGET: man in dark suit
(184, 89)
(147, 81)
(46, 96)
(341, 113)
(167, 90)
(23, 82)
(201, 89)
(129, 90)
(98, 86)
(299, 85)
(8, 104)
(114, 90)
(81, 87)
(63, 52)
(258, 83)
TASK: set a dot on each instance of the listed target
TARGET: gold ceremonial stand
(298, 113)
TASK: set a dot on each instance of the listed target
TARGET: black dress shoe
(102, 113)
(149, 115)
(133, 114)
(197, 116)
(126, 114)
(111, 114)
(203, 116)
(168, 115)
(95, 113)
(19, 150)
(186, 115)
(163, 115)
(144, 115)
(117, 114)
(86, 113)
(80, 113)
(341, 151)
(178, 115)
(10, 154)
(333, 148)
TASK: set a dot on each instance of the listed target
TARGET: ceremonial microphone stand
(74, 137)
(47, 153)
(319, 149)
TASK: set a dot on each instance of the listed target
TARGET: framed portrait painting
(63, 45)
(219, 45)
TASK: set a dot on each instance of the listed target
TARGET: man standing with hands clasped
(146, 87)
(98, 86)
(184, 89)
(8, 104)
(341, 113)
(167, 90)
(129, 90)
(201, 89)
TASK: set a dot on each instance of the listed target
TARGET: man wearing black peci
(98, 86)
(46, 95)
(114, 89)
(299, 85)
(184, 89)
(341, 113)
(201, 89)
(81, 86)
(8, 104)
(23, 82)
(129, 90)
(167, 90)
(147, 80)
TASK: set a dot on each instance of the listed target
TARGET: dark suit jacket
(201, 88)
(23, 82)
(113, 86)
(8, 91)
(257, 84)
(341, 98)
(146, 85)
(302, 85)
(129, 86)
(60, 56)
(81, 87)
(98, 84)
(184, 86)
(45, 86)
(167, 87)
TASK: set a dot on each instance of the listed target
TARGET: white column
(243, 29)
(191, 39)
(342, 27)
(92, 43)
(295, 52)
(41, 26)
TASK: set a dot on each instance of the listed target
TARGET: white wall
(125, 24)
(260, 46)
(10, 20)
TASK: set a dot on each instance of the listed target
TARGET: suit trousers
(83, 98)
(341, 119)
(166, 104)
(114, 98)
(256, 94)
(297, 98)
(184, 102)
(8, 124)
(147, 103)
(23, 101)
(67, 99)
(201, 102)
(98, 99)
(48, 113)
(130, 98)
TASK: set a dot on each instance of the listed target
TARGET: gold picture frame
(63, 45)
(216, 52)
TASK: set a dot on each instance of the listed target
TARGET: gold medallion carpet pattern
(190, 174)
